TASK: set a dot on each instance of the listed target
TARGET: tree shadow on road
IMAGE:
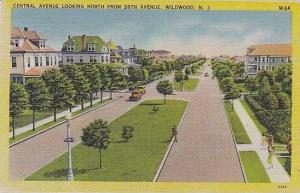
(63, 172)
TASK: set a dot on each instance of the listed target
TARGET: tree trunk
(54, 113)
(101, 95)
(100, 160)
(33, 119)
(82, 103)
(91, 99)
(165, 99)
(110, 95)
(14, 125)
(232, 105)
(70, 108)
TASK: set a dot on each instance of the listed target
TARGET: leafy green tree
(227, 84)
(276, 88)
(18, 102)
(91, 73)
(96, 135)
(232, 94)
(179, 77)
(271, 102)
(127, 132)
(239, 69)
(187, 70)
(264, 90)
(164, 87)
(136, 75)
(103, 79)
(224, 72)
(251, 84)
(79, 82)
(115, 79)
(38, 97)
(284, 101)
(60, 90)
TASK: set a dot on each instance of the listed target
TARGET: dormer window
(42, 44)
(71, 47)
(91, 47)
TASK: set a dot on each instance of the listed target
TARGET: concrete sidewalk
(277, 173)
(50, 119)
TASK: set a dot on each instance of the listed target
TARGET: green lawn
(238, 129)
(260, 127)
(136, 160)
(46, 126)
(283, 161)
(255, 171)
(189, 85)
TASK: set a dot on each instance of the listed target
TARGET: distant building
(30, 55)
(85, 50)
(115, 56)
(266, 57)
(130, 57)
(161, 54)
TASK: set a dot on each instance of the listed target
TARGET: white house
(85, 50)
(266, 57)
(30, 54)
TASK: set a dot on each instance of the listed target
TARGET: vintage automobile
(135, 95)
(206, 74)
(141, 89)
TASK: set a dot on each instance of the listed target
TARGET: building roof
(270, 50)
(37, 70)
(164, 51)
(112, 45)
(78, 42)
(17, 32)
(28, 45)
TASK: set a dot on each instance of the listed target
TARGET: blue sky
(182, 32)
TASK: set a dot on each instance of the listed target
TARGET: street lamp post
(69, 140)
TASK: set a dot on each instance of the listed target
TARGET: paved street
(29, 156)
(205, 151)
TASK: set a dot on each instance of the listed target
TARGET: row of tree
(63, 88)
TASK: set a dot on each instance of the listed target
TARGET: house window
(41, 61)
(91, 47)
(282, 59)
(102, 58)
(106, 58)
(16, 43)
(14, 62)
(255, 59)
(93, 59)
(51, 61)
(258, 68)
(70, 59)
(36, 61)
(81, 59)
(263, 59)
(47, 61)
(28, 61)
(71, 47)
(55, 60)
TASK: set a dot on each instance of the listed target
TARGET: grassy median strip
(255, 171)
(135, 160)
(188, 85)
(238, 129)
(260, 127)
(52, 123)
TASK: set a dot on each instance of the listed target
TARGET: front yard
(135, 160)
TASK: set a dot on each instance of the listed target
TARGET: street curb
(170, 146)
(235, 145)
(62, 122)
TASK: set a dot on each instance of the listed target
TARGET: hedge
(278, 122)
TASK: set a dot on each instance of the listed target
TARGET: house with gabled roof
(115, 56)
(85, 50)
(266, 57)
(30, 54)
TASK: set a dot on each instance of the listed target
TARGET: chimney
(83, 41)
(25, 28)
(69, 37)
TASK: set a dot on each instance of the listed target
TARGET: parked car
(206, 74)
(135, 95)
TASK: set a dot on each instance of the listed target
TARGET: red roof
(37, 71)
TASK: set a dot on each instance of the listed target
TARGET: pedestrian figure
(271, 156)
(174, 133)
(270, 140)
